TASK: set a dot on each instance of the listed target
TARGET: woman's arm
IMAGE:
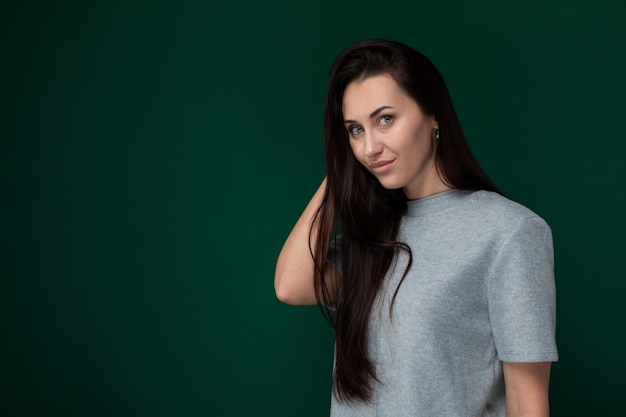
(293, 279)
(526, 388)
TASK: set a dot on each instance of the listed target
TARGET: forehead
(361, 97)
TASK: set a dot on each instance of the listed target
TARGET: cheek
(417, 130)
(355, 151)
(419, 138)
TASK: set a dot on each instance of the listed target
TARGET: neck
(429, 186)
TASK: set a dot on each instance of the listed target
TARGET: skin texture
(526, 388)
(386, 125)
(294, 275)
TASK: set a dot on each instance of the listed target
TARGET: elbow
(286, 297)
(287, 294)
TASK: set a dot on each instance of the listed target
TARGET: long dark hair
(368, 214)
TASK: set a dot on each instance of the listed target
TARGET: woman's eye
(385, 120)
(355, 130)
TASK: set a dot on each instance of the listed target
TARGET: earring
(437, 135)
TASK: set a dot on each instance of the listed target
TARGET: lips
(380, 166)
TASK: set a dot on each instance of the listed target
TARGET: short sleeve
(333, 258)
(334, 253)
(521, 295)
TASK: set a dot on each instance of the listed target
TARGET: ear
(435, 124)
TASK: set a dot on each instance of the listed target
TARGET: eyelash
(351, 128)
(384, 116)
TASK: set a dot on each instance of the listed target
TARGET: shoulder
(497, 216)
(497, 208)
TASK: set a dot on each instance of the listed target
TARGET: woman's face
(391, 136)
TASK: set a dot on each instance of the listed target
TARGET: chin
(390, 184)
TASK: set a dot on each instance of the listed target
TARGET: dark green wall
(155, 155)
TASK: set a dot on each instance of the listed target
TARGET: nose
(373, 145)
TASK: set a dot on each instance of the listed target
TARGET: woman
(439, 289)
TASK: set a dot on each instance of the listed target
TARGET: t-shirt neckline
(437, 202)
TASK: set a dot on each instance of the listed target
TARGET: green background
(155, 155)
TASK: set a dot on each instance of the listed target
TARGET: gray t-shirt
(480, 291)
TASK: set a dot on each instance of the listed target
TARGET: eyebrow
(372, 115)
